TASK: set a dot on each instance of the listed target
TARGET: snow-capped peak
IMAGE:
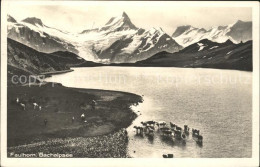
(119, 23)
(119, 40)
(181, 29)
(154, 30)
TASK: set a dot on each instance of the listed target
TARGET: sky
(81, 15)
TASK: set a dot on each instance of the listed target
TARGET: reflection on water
(218, 102)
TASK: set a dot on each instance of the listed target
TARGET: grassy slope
(26, 132)
(59, 104)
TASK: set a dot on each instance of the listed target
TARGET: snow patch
(201, 45)
(229, 52)
(213, 47)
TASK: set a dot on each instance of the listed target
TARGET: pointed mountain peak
(228, 42)
(124, 15)
(11, 19)
(33, 21)
(119, 23)
(240, 21)
(155, 30)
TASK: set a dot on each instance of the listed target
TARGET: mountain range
(118, 41)
(237, 32)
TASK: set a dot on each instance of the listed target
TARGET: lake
(217, 102)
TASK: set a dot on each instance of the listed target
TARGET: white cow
(23, 105)
(17, 100)
(82, 117)
(40, 108)
(35, 105)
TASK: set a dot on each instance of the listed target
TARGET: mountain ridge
(224, 56)
(236, 32)
(118, 41)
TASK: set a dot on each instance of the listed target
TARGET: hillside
(206, 54)
(23, 60)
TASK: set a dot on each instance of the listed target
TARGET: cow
(45, 122)
(23, 105)
(35, 105)
(164, 129)
(178, 128)
(200, 140)
(167, 155)
(93, 104)
(140, 129)
(172, 125)
(17, 100)
(177, 134)
(83, 117)
(167, 133)
(161, 123)
(150, 131)
(195, 132)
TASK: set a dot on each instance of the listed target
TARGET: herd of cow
(23, 105)
(172, 131)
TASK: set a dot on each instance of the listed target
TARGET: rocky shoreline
(113, 145)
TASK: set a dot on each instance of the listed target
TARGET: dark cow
(167, 155)
(150, 131)
(150, 126)
(139, 129)
(151, 123)
(164, 129)
(195, 132)
(172, 125)
(178, 128)
(186, 129)
(200, 140)
(93, 104)
(177, 134)
(161, 123)
(167, 133)
(45, 122)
